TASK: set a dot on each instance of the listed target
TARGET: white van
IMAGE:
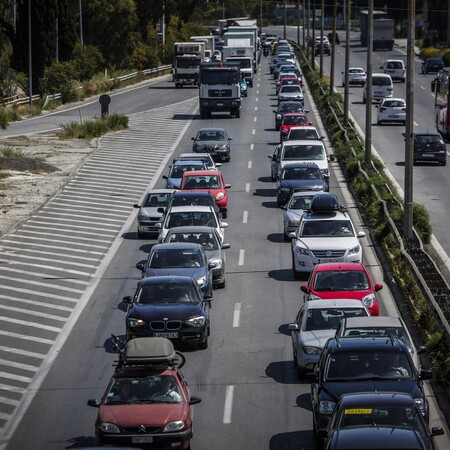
(382, 87)
(395, 68)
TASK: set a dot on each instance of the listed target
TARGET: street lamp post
(30, 70)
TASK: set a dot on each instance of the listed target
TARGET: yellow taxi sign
(358, 411)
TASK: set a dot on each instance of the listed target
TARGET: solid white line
(252, 146)
(228, 404)
(247, 187)
(236, 315)
(422, 87)
(241, 257)
(249, 166)
(245, 217)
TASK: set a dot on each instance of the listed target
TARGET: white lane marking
(256, 108)
(422, 87)
(247, 187)
(241, 257)
(255, 119)
(228, 404)
(245, 217)
(249, 166)
(256, 99)
(257, 92)
(236, 315)
(257, 85)
(252, 146)
(253, 131)
(415, 123)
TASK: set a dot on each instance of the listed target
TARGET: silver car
(211, 242)
(290, 92)
(316, 322)
(294, 209)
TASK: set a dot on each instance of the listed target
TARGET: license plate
(427, 155)
(219, 104)
(142, 440)
(378, 93)
(326, 260)
(166, 335)
(393, 116)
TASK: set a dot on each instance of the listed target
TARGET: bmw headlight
(107, 427)
(292, 223)
(132, 323)
(285, 189)
(302, 251)
(311, 350)
(369, 300)
(197, 321)
(220, 196)
(355, 250)
(201, 280)
(279, 116)
(217, 262)
(326, 407)
(176, 425)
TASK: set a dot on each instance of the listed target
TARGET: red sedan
(293, 120)
(342, 280)
(207, 180)
(288, 80)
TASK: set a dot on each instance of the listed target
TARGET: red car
(207, 180)
(293, 120)
(147, 401)
(342, 280)
(288, 80)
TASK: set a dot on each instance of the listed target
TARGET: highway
(84, 264)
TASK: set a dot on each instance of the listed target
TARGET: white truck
(186, 62)
(244, 57)
(249, 29)
(209, 44)
(242, 39)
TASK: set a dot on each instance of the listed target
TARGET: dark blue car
(432, 65)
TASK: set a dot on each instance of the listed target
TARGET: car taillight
(404, 110)
(382, 109)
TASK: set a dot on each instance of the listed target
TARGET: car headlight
(279, 116)
(369, 300)
(326, 407)
(220, 196)
(355, 250)
(176, 425)
(302, 251)
(217, 262)
(143, 215)
(421, 404)
(135, 322)
(314, 297)
(292, 223)
(197, 321)
(201, 280)
(311, 350)
(285, 189)
(107, 427)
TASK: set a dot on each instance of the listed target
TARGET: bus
(440, 86)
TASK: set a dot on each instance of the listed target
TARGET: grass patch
(93, 128)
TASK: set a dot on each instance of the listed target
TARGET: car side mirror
(140, 266)
(192, 139)
(127, 299)
(311, 377)
(207, 298)
(225, 246)
(158, 225)
(194, 400)
(304, 288)
(136, 206)
(212, 265)
(426, 374)
(218, 164)
(95, 402)
(292, 235)
(227, 186)
(230, 138)
(421, 349)
(331, 157)
(378, 287)
(223, 225)
(293, 327)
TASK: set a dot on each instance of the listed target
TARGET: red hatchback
(293, 120)
(342, 280)
(288, 80)
(207, 180)
(147, 401)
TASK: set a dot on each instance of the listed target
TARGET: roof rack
(324, 202)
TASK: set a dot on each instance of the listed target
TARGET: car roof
(323, 267)
(375, 321)
(199, 173)
(365, 343)
(300, 165)
(333, 303)
(193, 194)
(187, 161)
(177, 245)
(190, 208)
(162, 279)
(303, 141)
(160, 191)
(192, 229)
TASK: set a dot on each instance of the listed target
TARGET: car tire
(237, 114)
(444, 163)
(139, 234)
(286, 237)
(225, 214)
(221, 285)
(378, 122)
(364, 100)
(204, 344)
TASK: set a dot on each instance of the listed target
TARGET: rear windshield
(303, 152)
(381, 81)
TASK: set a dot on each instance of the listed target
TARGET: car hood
(215, 144)
(312, 185)
(331, 295)
(321, 163)
(171, 311)
(290, 95)
(330, 243)
(294, 214)
(195, 272)
(316, 338)
(146, 414)
(151, 211)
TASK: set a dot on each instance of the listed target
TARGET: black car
(286, 107)
(186, 198)
(180, 258)
(429, 146)
(299, 177)
(169, 306)
(214, 141)
(363, 364)
(326, 49)
(432, 65)
(376, 418)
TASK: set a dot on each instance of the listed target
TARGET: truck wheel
(202, 114)
(177, 85)
(237, 113)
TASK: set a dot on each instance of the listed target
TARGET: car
(324, 234)
(289, 68)
(285, 79)
(299, 177)
(432, 65)
(322, 48)
(177, 169)
(294, 209)
(363, 364)
(378, 418)
(181, 216)
(207, 180)
(205, 157)
(356, 75)
(149, 214)
(291, 120)
(391, 110)
(286, 107)
(316, 322)
(214, 141)
(342, 280)
(429, 146)
(195, 198)
(290, 152)
(290, 92)
(216, 55)
(212, 244)
(244, 87)
(382, 87)
(395, 68)
(180, 258)
(381, 326)
(169, 306)
(303, 133)
(132, 410)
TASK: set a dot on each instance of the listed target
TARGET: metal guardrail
(17, 100)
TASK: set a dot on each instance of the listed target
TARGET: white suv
(325, 233)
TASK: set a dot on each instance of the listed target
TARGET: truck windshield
(245, 63)
(220, 77)
(188, 63)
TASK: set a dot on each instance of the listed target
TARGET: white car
(391, 110)
(324, 234)
(356, 75)
(304, 133)
(395, 68)
(294, 209)
(183, 216)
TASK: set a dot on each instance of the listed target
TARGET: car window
(299, 134)
(326, 228)
(341, 280)
(180, 219)
(157, 199)
(303, 152)
(300, 173)
(206, 240)
(175, 293)
(300, 202)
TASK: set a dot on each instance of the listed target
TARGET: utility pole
(303, 20)
(368, 87)
(81, 23)
(260, 17)
(308, 35)
(298, 23)
(30, 70)
(57, 39)
(333, 47)
(284, 22)
(313, 40)
(322, 13)
(347, 61)
(409, 129)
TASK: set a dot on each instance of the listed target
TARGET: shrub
(430, 52)
(58, 77)
(87, 60)
(445, 55)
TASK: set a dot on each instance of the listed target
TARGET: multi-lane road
(65, 272)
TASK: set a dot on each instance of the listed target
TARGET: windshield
(156, 200)
(220, 77)
(303, 152)
(167, 293)
(397, 332)
(290, 88)
(299, 134)
(363, 365)
(166, 258)
(294, 120)
(300, 202)
(201, 182)
(341, 280)
(327, 228)
(206, 240)
(188, 63)
(301, 173)
(181, 219)
(329, 318)
(178, 169)
(244, 63)
(211, 135)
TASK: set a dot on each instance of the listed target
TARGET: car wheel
(98, 441)
(224, 214)
(228, 158)
(139, 234)
(364, 100)
(204, 344)
(221, 285)
(286, 237)
(444, 163)
(378, 122)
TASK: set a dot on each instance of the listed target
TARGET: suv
(363, 364)
(325, 233)
(382, 87)
(135, 396)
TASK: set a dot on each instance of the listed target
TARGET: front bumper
(306, 263)
(188, 335)
(148, 227)
(220, 104)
